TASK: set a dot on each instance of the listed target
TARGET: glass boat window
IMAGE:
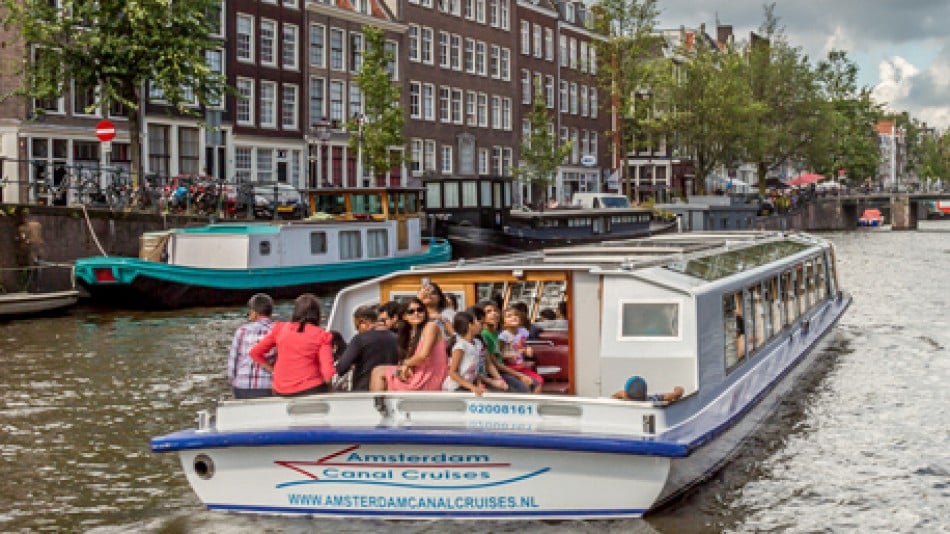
(318, 242)
(371, 203)
(332, 204)
(649, 319)
(350, 245)
(718, 266)
(377, 244)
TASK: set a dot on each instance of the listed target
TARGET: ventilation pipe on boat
(204, 466)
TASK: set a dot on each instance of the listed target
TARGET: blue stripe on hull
(554, 514)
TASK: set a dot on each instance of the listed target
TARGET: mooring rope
(93, 232)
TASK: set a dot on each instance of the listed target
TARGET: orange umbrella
(805, 179)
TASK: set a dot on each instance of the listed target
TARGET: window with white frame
(506, 114)
(267, 105)
(593, 102)
(525, 86)
(336, 100)
(496, 160)
(584, 101)
(471, 107)
(159, 149)
(413, 32)
(188, 149)
(415, 155)
(317, 99)
(216, 19)
(244, 46)
(356, 100)
(483, 161)
(428, 102)
(268, 37)
(507, 155)
(480, 58)
(318, 45)
(494, 61)
(265, 165)
(480, 11)
(583, 56)
(444, 96)
(245, 101)
(428, 45)
(446, 159)
(84, 98)
(288, 47)
(575, 146)
(565, 100)
(288, 107)
(585, 147)
(549, 44)
(356, 51)
(350, 245)
(429, 163)
(444, 60)
(215, 59)
(391, 48)
(468, 9)
(526, 132)
(455, 51)
(457, 106)
(505, 64)
(549, 91)
(482, 110)
(493, 13)
(593, 143)
(562, 40)
(242, 163)
(336, 49)
(525, 37)
(572, 52)
(496, 112)
(537, 40)
(377, 243)
(470, 56)
(593, 59)
(573, 98)
(503, 21)
(415, 100)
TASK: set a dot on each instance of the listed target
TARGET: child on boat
(467, 358)
(514, 345)
(515, 381)
(636, 389)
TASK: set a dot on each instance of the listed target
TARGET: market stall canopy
(805, 179)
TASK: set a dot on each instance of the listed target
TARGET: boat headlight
(203, 466)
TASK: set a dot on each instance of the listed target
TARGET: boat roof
(684, 260)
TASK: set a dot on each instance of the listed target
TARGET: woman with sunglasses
(437, 308)
(422, 351)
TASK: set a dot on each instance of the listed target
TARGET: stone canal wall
(32, 235)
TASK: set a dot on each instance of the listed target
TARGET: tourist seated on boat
(338, 344)
(421, 346)
(515, 381)
(514, 347)
(635, 389)
(248, 379)
(545, 316)
(434, 299)
(373, 345)
(304, 351)
(467, 361)
(389, 313)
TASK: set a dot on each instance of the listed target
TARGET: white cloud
(922, 93)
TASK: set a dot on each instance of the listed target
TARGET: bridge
(835, 211)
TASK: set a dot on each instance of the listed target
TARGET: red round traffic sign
(105, 131)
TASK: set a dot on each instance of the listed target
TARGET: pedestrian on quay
(248, 379)
(304, 363)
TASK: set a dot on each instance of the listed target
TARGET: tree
(119, 47)
(710, 105)
(629, 57)
(784, 86)
(540, 151)
(383, 115)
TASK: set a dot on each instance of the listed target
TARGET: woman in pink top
(422, 350)
(304, 351)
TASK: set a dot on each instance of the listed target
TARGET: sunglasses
(410, 311)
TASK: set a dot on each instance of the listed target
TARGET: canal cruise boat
(732, 318)
(351, 234)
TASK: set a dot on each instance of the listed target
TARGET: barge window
(749, 316)
(822, 278)
(759, 316)
(810, 275)
(369, 203)
(649, 320)
(350, 245)
(773, 298)
(802, 290)
(332, 204)
(734, 328)
(377, 243)
(318, 242)
(434, 195)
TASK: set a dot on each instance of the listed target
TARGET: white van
(599, 200)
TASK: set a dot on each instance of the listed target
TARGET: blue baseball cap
(636, 388)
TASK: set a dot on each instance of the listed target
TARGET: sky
(901, 47)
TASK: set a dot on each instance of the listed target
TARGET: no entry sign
(105, 131)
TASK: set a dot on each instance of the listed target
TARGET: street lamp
(320, 131)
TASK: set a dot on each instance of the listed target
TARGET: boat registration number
(507, 409)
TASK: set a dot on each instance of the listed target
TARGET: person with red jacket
(305, 351)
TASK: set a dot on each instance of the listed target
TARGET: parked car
(289, 203)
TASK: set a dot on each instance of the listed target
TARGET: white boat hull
(16, 304)
(424, 481)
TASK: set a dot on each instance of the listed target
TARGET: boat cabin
(685, 310)
(347, 225)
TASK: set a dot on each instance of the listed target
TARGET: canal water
(863, 446)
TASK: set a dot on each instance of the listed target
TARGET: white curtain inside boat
(377, 244)
(350, 245)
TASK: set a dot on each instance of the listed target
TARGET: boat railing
(490, 411)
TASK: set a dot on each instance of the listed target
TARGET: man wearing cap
(636, 389)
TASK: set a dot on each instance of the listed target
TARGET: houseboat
(733, 319)
(478, 218)
(356, 234)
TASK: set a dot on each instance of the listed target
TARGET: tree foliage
(120, 46)
(383, 119)
(540, 152)
(629, 62)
